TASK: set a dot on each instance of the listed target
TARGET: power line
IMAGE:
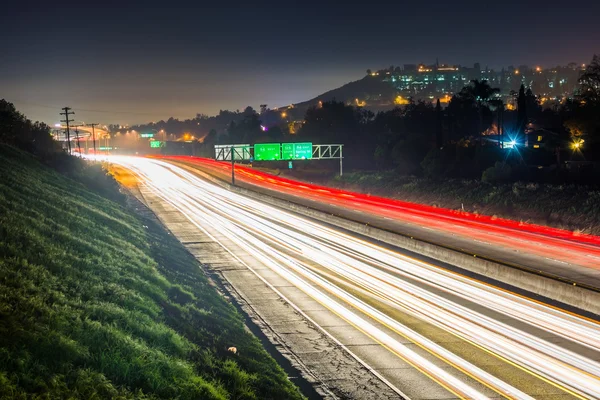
(66, 113)
(87, 109)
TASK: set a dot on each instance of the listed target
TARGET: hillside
(377, 94)
(96, 302)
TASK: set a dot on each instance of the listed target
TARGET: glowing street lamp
(577, 145)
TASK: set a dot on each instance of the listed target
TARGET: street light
(577, 145)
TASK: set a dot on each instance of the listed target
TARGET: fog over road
(474, 340)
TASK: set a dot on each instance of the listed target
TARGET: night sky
(126, 62)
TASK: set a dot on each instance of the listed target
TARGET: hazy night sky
(120, 62)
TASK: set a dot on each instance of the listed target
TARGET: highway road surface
(465, 337)
(553, 252)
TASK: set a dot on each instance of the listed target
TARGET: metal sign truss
(243, 152)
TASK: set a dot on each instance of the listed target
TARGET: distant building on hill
(429, 82)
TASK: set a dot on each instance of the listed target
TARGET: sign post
(341, 158)
(232, 167)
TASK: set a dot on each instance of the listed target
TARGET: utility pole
(94, 135)
(77, 138)
(66, 113)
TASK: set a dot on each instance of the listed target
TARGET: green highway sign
(296, 151)
(105, 148)
(267, 151)
(287, 151)
(147, 135)
(156, 144)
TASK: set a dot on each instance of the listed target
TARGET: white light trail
(304, 252)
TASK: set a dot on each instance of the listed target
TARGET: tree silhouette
(589, 82)
(482, 94)
(17, 130)
(521, 111)
(583, 119)
(439, 139)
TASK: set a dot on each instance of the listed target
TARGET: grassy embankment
(96, 302)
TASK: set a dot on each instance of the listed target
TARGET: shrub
(500, 172)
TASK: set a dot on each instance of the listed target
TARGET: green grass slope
(96, 302)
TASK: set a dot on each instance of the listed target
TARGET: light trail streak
(556, 244)
(293, 247)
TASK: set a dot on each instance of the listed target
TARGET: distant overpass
(85, 132)
(81, 136)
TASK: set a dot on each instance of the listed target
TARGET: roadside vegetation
(569, 206)
(98, 302)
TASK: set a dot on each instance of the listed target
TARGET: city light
(511, 144)
(400, 101)
(577, 144)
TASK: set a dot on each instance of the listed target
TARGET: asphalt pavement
(427, 332)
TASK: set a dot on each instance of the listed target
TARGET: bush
(500, 172)
(436, 163)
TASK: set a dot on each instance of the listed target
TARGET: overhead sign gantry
(279, 151)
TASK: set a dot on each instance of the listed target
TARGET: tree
(589, 82)
(275, 134)
(482, 94)
(208, 144)
(481, 91)
(404, 135)
(583, 121)
(439, 139)
(521, 111)
(247, 130)
(463, 117)
(17, 130)
(334, 122)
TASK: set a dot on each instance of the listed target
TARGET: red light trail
(558, 244)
